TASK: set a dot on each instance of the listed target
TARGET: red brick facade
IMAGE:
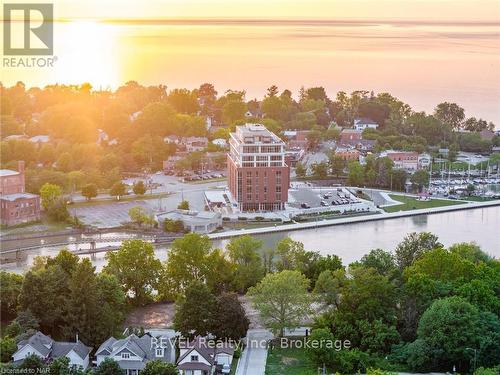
(16, 206)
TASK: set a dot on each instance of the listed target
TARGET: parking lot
(323, 197)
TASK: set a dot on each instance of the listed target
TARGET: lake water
(352, 241)
(422, 63)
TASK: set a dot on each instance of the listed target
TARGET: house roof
(205, 350)
(140, 346)
(8, 172)
(40, 342)
(60, 349)
(16, 196)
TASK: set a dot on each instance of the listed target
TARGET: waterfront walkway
(351, 220)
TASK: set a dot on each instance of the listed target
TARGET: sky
(432, 10)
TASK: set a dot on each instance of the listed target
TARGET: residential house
(193, 144)
(172, 139)
(364, 123)
(133, 352)
(202, 357)
(48, 350)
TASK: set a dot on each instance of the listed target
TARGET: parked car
(324, 203)
(304, 205)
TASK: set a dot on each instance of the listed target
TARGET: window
(159, 352)
(125, 355)
(194, 358)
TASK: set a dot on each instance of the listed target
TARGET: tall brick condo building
(258, 176)
(16, 206)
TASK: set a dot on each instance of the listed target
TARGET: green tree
(282, 300)
(140, 216)
(420, 179)
(382, 261)
(327, 288)
(49, 194)
(450, 114)
(230, 320)
(139, 188)
(183, 205)
(337, 164)
(7, 348)
(244, 253)
(109, 367)
(355, 174)
(300, 170)
(413, 247)
(194, 311)
(136, 268)
(320, 170)
(158, 367)
(89, 191)
(11, 284)
(118, 189)
(189, 260)
(32, 363)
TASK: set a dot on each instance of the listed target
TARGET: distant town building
(407, 160)
(347, 154)
(133, 353)
(258, 176)
(40, 139)
(424, 160)
(220, 142)
(296, 138)
(17, 206)
(487, 134)
(193, 144)
(48, 350)
(349, 135)
(364, 123)
(171, 139)
(194, 221)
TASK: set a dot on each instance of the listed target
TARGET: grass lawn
(290, 361)
(123, 198)
(200, 182)
(410, 203)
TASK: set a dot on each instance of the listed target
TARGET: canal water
(351, 241)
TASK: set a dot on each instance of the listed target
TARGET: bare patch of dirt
(156, 315)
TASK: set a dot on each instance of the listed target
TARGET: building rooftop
(256, 133)
(8, 172)
(13, 197)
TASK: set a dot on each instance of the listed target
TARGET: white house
(132, 353)
(364, 123)
(220, 142)
(202, 357)
(44, 347)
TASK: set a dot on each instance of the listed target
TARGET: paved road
(253, 359)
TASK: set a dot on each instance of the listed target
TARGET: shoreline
(353, 220)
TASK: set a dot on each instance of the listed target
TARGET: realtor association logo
(28, 29)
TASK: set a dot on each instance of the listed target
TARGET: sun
(90, 53)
